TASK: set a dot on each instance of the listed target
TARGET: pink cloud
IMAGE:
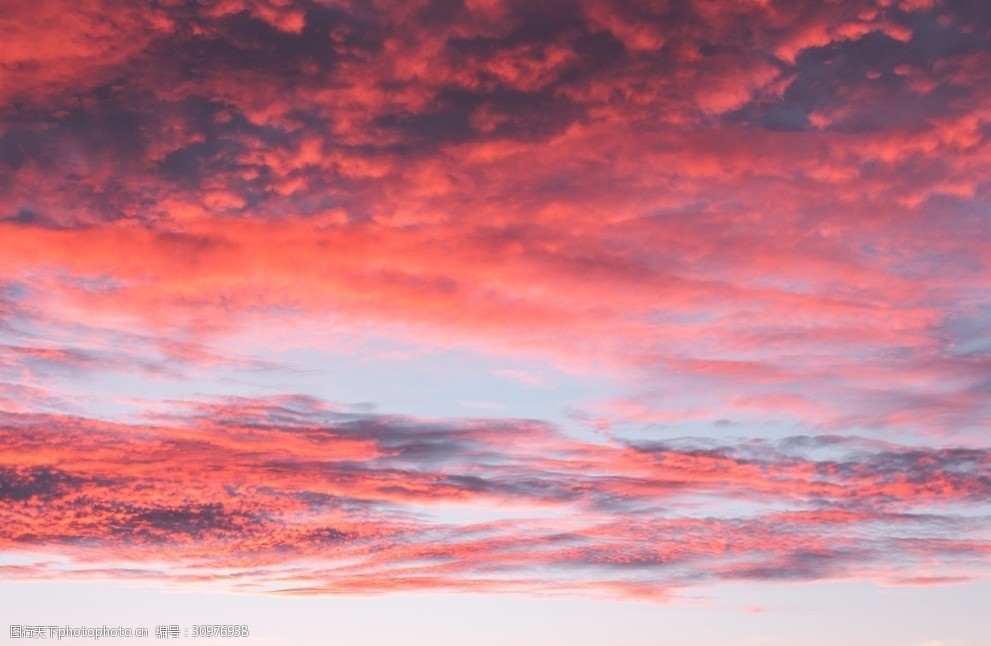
(249, 486)
(769, 215)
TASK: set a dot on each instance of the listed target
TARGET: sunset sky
(529, 322)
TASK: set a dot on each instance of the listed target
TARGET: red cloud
(770, 212)
(247, 486)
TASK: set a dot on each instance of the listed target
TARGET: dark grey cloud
(39, 484)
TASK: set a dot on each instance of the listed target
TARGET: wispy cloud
(289, 494)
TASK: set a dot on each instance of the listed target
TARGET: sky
(585, 322)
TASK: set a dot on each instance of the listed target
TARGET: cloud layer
(749, 215)
(289, 494)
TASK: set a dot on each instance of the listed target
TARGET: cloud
(853, 343)
(250, 487)
(764, 216)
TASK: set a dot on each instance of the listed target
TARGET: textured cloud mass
(236, 490)
(742, 216)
